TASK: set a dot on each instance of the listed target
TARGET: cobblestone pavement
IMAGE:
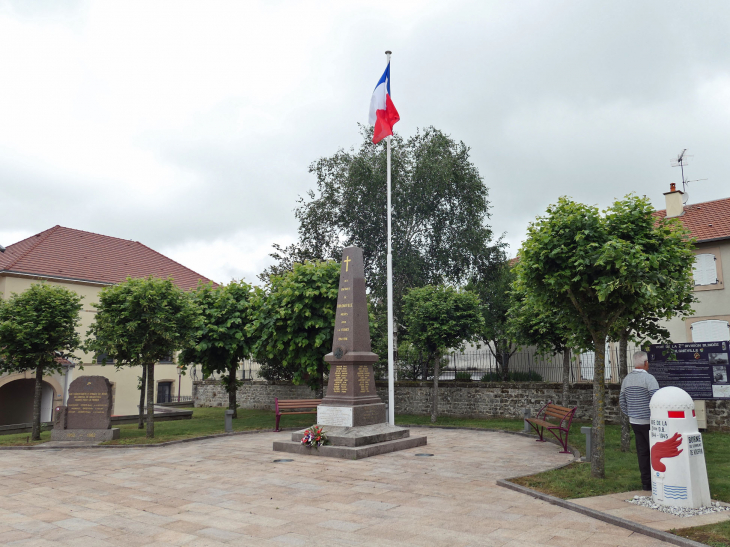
(228, 491)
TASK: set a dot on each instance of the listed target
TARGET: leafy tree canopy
(221, 339)
(495, 296)
(440, 317)
(38, 325)
(437, 318)
(600, 268)
(140, 322)
(295, 318)
(440, 210)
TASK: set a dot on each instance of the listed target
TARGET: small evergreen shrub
(462, 376)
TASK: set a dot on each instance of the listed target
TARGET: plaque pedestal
(351, 416)
(95, 435)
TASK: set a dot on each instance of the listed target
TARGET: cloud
(190, 126)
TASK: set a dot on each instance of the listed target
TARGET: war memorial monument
(88, 413)
(351, 413)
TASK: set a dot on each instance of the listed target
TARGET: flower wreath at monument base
(314, 437)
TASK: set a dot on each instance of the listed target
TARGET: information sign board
(699, 368)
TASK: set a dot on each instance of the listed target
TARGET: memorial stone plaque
(351, 379)
(89, 403)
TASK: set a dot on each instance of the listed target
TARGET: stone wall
(718, 415)
(477, 399)
(465, 399)
(212, 393)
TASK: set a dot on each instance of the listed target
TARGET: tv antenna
(681, 160)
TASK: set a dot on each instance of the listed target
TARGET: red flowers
(314, 437)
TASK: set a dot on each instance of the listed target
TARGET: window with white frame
(705, 269)
(711, 330)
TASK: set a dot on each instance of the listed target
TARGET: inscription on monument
(339, 416)
(89, 403)
(363, 377)
(340, 385)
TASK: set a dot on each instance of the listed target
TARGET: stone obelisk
(351, 399)
(351, 414)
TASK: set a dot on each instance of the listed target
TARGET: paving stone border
(600, 515)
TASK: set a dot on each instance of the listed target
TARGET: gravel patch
(647, 501)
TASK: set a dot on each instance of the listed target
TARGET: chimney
(673, 198)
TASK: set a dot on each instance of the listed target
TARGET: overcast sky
(189, 126)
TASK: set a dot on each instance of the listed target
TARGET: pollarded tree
(36, 327)
(651, 308)
(598, 268)
(294, 320)
(221, 340)
(140, 322)
(438, 318)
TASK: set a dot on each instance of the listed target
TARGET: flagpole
(391, 376)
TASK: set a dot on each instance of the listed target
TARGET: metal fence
(249, 370)
(522, 365)
(479, 365)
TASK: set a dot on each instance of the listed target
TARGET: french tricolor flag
(383, 114)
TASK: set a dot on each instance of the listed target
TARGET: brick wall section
(465, 399)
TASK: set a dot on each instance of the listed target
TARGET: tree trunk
(232, 405)
(598, 467)
(566, 375)
(435, 394)
(142, 390)
(36, 433)
(505, 366)
(151, 401)
(623, 370)
(320, 372)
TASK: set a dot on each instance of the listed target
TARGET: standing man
(636, 391)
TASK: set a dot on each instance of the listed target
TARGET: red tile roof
(707, 221)
(84, 256)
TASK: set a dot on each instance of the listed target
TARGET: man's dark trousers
(641, 433)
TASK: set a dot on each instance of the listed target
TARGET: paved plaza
(229, 491)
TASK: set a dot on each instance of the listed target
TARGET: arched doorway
(16, 402)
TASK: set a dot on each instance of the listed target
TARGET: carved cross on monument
(351, 399)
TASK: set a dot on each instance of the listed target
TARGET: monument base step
(354, 443)
(95, 435)
(359, 436)
(350, 452)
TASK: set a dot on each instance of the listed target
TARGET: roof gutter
(54, 278)
(712, 239)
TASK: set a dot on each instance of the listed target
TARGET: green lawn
(23, 439)
(622, 470)
(714, 535)
(205, 421)
(209, 421)
(495, 423)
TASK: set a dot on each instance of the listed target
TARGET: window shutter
(705, 269)
(711, 330)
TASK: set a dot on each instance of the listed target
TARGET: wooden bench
(290, 406)
(563, 416)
